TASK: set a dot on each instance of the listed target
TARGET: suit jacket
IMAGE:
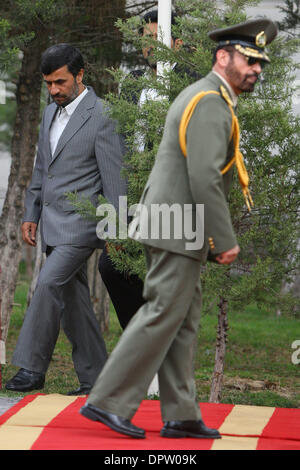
(87, 160)
(195, 179)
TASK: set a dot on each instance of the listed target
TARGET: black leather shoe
(25, 381)
(189, 429)
(121, 425)
(83, 389)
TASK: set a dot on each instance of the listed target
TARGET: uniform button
(211, 242)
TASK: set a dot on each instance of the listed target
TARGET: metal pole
(164, 28)
(164, 21)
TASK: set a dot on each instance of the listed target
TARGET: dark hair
(59, 55)
(228, 48)
(152, 16)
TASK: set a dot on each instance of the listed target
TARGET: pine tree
(291, 20)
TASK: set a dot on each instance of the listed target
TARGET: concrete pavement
(6, 403)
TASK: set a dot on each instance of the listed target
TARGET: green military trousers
(160, 338)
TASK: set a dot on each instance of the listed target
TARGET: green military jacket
(190, 181)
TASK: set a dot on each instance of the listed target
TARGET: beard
(67, 99)
(243, 83)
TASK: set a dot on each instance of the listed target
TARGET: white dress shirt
(62, 118)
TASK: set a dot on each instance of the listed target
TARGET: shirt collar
(233, 95)
(70, 108)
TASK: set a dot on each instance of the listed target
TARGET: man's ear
(222, 57)
(79, 76)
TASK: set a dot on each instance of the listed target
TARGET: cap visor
(250, 52)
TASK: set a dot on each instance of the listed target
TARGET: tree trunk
(217, 379)
(22, 153)
(2, 349)
(99, 295)
(101, 41)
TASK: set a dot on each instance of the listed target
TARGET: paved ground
(6, 403)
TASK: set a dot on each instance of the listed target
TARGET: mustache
(254, 74)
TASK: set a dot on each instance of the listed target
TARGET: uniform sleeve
(208, 136)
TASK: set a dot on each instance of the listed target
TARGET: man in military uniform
(193, 167)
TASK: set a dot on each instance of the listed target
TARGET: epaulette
(225, 95)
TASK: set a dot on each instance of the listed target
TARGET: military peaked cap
(248, 38)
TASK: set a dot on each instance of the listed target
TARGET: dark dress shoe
(25, 381)
(189, 429)
(116, 423)
(83, 389)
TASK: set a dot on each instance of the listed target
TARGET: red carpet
(52, 422)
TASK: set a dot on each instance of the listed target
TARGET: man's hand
(227, 257)
(29, 232)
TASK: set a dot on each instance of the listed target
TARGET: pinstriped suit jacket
(88, 160)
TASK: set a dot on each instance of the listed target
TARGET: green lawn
(258, 371)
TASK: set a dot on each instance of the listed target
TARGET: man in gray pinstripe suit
(78, 150)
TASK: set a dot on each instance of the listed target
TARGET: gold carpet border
(247, 420)
(21, 430)
(235, 443)
(243, 421)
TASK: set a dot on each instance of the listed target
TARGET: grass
(258, 370)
